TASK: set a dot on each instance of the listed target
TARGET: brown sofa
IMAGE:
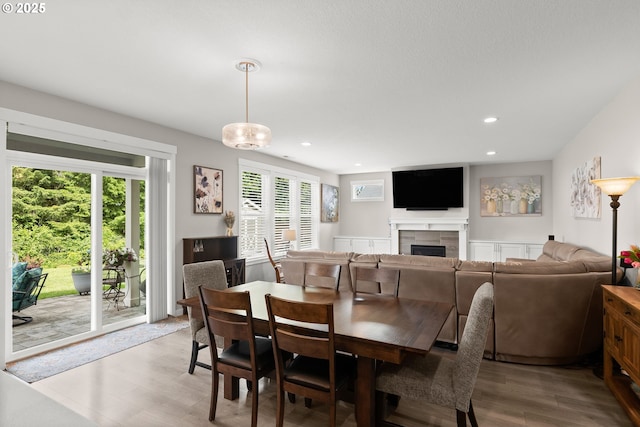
(547, 311)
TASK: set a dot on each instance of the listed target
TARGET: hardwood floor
(149, 385)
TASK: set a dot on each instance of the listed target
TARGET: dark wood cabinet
(224, 248)
(622, 346)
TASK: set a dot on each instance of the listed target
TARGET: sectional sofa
(547, 311)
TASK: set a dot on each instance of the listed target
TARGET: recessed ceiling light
(357, 164)
(306, 144)
(491, 153)
(491, 120)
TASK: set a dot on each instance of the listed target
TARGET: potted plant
(81, 274)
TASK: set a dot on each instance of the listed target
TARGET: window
(274, 200)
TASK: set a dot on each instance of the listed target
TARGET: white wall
(192, 150)
(372, 218)
(614, 135)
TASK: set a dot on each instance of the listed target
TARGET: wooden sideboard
(622, 346)
(224, 248)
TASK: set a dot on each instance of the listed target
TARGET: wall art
(511, 196)
(207, 197)
(585, 197)
(329, 208)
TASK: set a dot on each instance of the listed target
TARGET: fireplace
(454, 234)
(429, 250)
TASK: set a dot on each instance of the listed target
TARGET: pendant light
(246, 136)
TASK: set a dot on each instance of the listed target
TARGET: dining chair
(439, 379)
(316, 371)
(229, 315)
(372, 280)
(276, 266)
(210, 274)
(322, 275)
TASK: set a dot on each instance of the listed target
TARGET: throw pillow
(17, 270)
(25, 279)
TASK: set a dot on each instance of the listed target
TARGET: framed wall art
(511, 196)
(329, 206)
(207, 197)
(585, 197)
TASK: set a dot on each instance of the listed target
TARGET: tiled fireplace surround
(448, 232)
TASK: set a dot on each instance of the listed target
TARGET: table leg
(366, 392)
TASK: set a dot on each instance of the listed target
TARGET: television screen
(428, 189)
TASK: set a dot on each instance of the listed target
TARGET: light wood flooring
(148, 385)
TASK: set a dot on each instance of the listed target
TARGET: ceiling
(381, 83)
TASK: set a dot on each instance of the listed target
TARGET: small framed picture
(207, 196)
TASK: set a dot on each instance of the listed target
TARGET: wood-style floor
(148, 385)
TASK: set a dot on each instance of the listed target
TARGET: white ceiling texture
(380, 83)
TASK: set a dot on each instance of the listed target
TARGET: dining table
(373, 327)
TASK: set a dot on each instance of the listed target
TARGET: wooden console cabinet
(622, 346)
(224, 248)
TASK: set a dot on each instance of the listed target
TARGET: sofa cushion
(564, 251)
(486, 266)
(420, 261)
(327, 255)
(540, 268)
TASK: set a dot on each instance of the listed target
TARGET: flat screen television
(428, 189)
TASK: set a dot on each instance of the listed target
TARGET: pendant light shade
(246, 136)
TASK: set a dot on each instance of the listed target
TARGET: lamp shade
(615, 186)
(289, 235)
(246, 136)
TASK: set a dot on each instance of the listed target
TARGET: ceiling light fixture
(491, 153)
(491, 120)
(246, 136)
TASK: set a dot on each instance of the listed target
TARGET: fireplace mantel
(435, 224)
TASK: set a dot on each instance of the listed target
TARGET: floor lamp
(614, 188)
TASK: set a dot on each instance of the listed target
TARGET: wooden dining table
(373, 327)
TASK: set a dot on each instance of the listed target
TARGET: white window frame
(253, 250)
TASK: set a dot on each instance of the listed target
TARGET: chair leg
(22, 319)
(472, 416)
(254, 404)
(280, 408)
(215, 380)
(195, 348)
(461, 417)
(307, 402)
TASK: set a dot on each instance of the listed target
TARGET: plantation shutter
(306, 225)
(253, 213)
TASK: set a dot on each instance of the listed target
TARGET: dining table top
(379, 326)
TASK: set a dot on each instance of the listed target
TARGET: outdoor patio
(65, 316)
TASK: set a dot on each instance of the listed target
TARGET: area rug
(53, 362)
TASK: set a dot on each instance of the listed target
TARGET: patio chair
(26, 290)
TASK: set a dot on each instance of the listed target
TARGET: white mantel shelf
(430, 224)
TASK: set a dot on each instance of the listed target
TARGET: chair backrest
(471, 345)
(210, 274)
(302, 328)
(276, 267)
(372, 280)
(27, 290)
(321, 275)
(228, 314)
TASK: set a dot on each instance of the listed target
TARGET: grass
(58, 282)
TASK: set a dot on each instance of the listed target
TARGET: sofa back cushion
(541, 268)
(419, 261)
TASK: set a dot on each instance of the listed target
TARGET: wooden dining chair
(372, 280)
(316, 372)
(440, 379)
(229, 315)
(276, 266)
(322, 275)
(210, 274)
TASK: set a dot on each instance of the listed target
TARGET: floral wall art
(207, 195)
(585, 197)
(511, 196)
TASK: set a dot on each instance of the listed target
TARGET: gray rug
(53, 362)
